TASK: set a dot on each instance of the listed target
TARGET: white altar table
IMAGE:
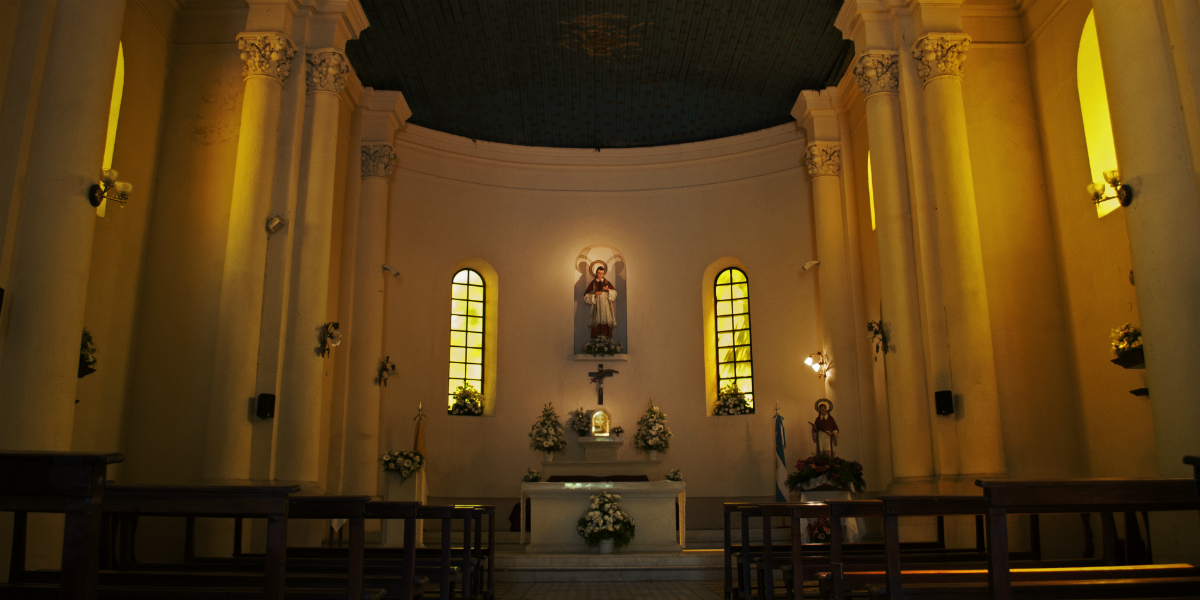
(557, 508)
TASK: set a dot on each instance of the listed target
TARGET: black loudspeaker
(944, 401)
(266, 406)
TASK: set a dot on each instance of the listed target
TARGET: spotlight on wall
(1124, 193)
(820, 363)
(109, 188)
(810, 264)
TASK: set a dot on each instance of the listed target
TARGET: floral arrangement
(877, 332)
(732, 401)
(387, 368)
(602, 345)
(331, 337)
(579, 421)
(532, 476)
(674, 475)
(617, 431)
(547, 432)
(605, 520)
(404, 462)
(819, 469)
(87, 354)
(1126, 339)
(467, 401)
(818, 531)
(652, 433)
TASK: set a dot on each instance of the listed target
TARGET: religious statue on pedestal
(601, 295)
(825, 429)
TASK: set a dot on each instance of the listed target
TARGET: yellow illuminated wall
(732, 293)
(1093, 101)
(871, 190)
(114, 115)
(467, 294)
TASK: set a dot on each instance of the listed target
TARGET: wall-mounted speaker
(943, 400)
(265, 409)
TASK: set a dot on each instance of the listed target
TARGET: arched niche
(617, 275)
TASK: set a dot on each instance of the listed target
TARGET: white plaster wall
(671, 211)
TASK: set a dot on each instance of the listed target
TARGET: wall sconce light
(275, 223)
(1113, 177)
(820, 363)
(109, 188)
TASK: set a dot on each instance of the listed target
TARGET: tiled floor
(633, 590)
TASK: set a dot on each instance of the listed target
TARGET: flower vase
(606, 546)
(652, 454)
(548, 456)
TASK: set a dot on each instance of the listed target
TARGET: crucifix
(598, 379)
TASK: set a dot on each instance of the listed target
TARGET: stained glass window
(734, 358)
(466, 331)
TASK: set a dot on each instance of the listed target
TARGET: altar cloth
(557, 508)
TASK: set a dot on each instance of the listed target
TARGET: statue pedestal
(411, 490)
(601, 448)
(854, 526)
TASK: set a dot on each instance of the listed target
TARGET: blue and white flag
(781, 491)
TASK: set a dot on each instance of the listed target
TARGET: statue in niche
(825, 429)
(601, 295)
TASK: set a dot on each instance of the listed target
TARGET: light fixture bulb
(124, 187)
(816, 368)
(1096, 189)
(109, 176)
(1113, 177)
(808, 361)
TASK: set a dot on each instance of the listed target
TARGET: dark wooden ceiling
(600, 73)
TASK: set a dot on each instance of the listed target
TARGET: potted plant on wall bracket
(87, 355)
(1127, 345)
(877, 332)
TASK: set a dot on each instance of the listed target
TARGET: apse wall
(672, 211)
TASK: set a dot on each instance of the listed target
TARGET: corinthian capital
(823, 158)
(941, 55)
(266, 53)
(878, 72)
(326, 71)
(378, 160)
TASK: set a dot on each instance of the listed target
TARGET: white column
(360, 469)
(1164, 219)
(52, 256)
(823, 160)
(267, 56)
(968, 319)
(299, 406)
(908, 405)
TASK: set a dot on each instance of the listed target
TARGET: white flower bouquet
(605, 520)
(732, 401)
(674, 475)
(547, 432)
(467, 401)
(652, 433)
(532, 476)
(602, 345)
(404, 462)
(580, 421)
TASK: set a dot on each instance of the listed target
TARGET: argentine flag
(781, 491)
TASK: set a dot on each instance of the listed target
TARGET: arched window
(731, 294)
(1093, 101)
(114, 115)
(467, 331)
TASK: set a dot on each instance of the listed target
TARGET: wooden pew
(58, 482)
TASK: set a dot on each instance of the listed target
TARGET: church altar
(560, 505)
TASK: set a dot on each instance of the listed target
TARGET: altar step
(689, 565)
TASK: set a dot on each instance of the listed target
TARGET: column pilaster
(939, 58)
(823, 160)
(267, 57)
(298, 440)
(52, 256)
(386, 111)
(1153, 153)
(877, 74)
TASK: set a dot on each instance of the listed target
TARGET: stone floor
(632, 590)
